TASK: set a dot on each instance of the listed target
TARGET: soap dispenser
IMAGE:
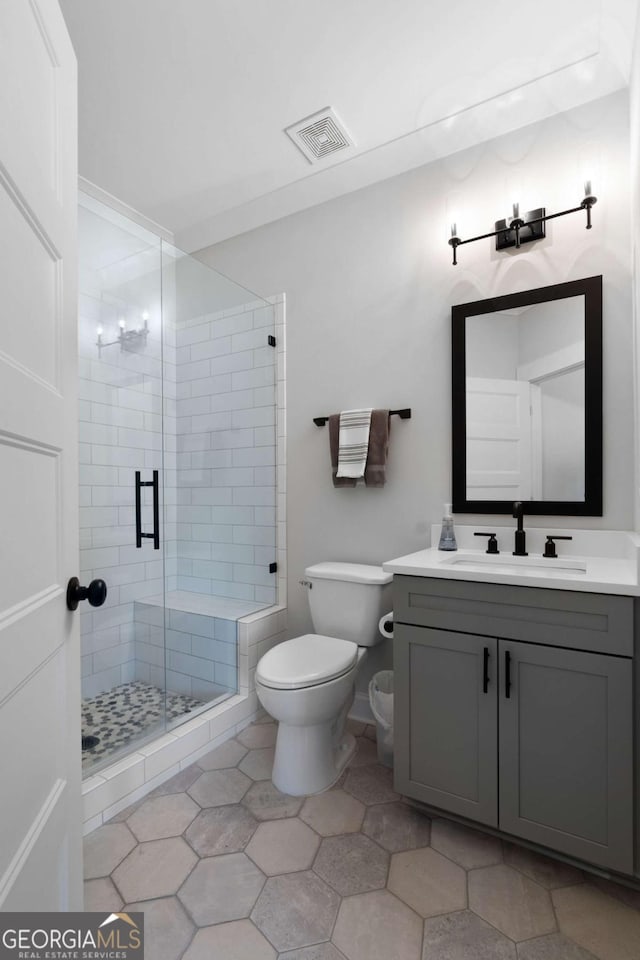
(447, 533)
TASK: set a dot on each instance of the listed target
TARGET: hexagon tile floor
(227, 868)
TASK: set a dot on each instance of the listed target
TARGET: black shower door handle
(155, 536)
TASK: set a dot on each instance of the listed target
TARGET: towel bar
(404, 414)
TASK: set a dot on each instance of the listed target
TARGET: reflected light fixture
(518, 229)
(128, 339)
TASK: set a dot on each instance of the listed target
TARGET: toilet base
(307, 760)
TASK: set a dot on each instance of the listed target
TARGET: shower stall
(177, 479)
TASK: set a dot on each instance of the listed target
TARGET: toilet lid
(306, 661)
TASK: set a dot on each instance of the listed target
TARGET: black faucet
(521, 537)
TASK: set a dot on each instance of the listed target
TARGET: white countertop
(594, 561)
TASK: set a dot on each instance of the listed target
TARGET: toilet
(308, 683)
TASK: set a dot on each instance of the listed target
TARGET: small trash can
(381, 700)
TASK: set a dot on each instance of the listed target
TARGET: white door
(40, 802)
(498, 440)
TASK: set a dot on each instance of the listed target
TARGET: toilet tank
(348, 599)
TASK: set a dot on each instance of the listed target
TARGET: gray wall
(369, 286)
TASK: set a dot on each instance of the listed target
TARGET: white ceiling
(183, 105)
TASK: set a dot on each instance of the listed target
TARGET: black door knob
(95, 593)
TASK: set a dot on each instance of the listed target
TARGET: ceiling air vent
(320, 135)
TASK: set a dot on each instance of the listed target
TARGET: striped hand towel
(354, 442)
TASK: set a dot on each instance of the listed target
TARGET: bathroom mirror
(527, 401)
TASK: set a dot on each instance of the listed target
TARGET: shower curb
(106, 793)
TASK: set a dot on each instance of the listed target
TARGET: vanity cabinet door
(446, 720)
(565, 744)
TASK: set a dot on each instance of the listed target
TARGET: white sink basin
(507, 563)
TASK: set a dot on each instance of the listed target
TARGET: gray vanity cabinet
(532, 738)
(449, 757)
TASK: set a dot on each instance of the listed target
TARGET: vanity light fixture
(128, 339)
(516, 230)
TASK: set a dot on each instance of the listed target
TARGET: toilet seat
(306, 661)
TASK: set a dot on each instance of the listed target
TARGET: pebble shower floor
(125, 713)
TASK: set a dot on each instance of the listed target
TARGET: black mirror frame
(591, 289)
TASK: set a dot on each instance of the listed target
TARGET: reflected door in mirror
(527, 401)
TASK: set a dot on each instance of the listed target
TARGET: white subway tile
(225, 439)
(98, 516)
(212, 458)
(113, 536)
(232, 362)
(209, 386)
(231, 590)
(238, 400)
(194, 334)
(211, 348)
(231, 515)
(236, 323)
(258, 496)
(98, 475)
(259, 377)
(265, 476)
(250, 340)
(264, 436)
(115, 416)
(197, 404)
(257, 417)
(214, 570)
(220, 421)
(215, 496)
(254, 457)
(263, 536)
(136, 591)
(265, 516)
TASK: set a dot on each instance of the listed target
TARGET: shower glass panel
(177, 480)
(120, 358)
(220, 475)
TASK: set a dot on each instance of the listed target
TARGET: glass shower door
(121, 423)
(220, 473)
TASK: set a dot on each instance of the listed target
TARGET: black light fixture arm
(509, 233)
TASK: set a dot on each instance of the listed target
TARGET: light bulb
(122, 323)
(145, 315)
(590, 168)
(99, 331)
(454, 208)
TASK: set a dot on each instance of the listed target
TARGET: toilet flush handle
(306, 583)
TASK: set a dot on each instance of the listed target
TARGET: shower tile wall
(120, 432)
(201, 651)
(226, 454)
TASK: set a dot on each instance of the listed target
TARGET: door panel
(498, 440)
(40, 811)
(566, 752)
(446, 729)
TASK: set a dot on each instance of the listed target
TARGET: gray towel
(334, 436)
(374, 472)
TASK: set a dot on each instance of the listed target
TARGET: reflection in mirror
(525, 402)
(526, 380)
